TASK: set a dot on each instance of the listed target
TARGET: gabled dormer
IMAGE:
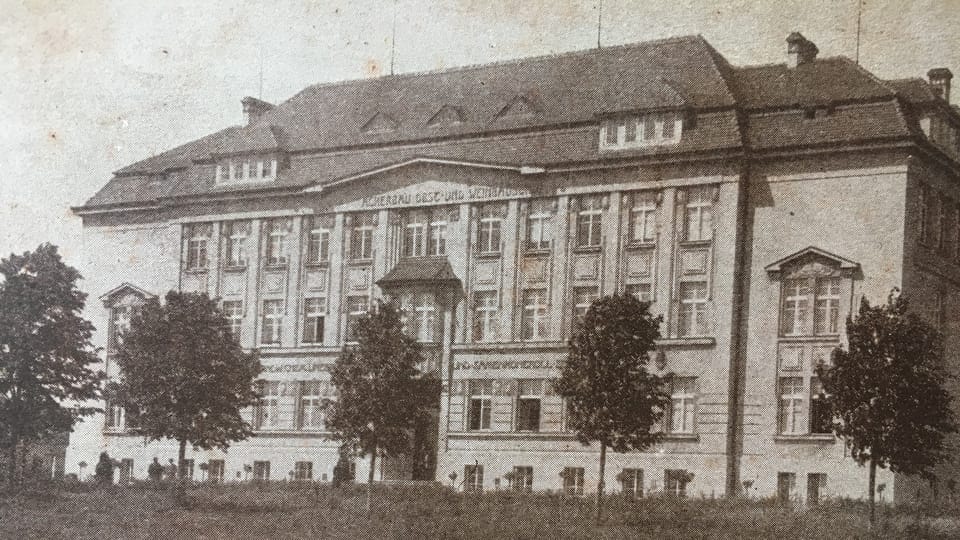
(380, 122)
(519, 106)
(447, 115)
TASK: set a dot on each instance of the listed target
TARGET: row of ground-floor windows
(520, 478)
(214, 470)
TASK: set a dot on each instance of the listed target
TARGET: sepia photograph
(480, 269)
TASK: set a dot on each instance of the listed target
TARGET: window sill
(512, 435)
(489, 255)
(545, 252)
(696, 243)
(235, 268)
(686, 341)
(680, 437)
(276, 266)
(807, 438)
(832, 338)
(317, 264)
(588, 249)
(641, 245)
(195, 270)
(287, 432)
(360, 261)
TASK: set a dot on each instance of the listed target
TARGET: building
(753, 206)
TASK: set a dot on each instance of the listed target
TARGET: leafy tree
(382, 396)
(612, 398)
(886, 391)
(46, 358)
(183, 376)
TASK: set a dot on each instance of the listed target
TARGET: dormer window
(249, 169)
(640, 131)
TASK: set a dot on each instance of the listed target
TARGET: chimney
(254, 108)
(800, 50)
(940, 81)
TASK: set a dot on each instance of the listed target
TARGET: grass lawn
(282, 511)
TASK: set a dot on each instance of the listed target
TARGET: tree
(886, 391)
(611, 397)
(382, 396)
(46, 358)
(183, 376)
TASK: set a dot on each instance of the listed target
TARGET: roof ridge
(506, 62)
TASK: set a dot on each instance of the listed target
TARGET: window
(573, 480)
(488, 229)
(473, 478)
(639, 131)
(699, 214)
(924, 213)
(786, 483)
(438, 234)
(303, 471)
(119, 323)
(641, 291)
(272, 322)
(233, 311)
(799, 294)
(268, 169)
(357, 307)
(693, 309)
(361, 237)
(424, 318)
(235, 235)
(522, 479)
(631, 482)
(485, 307)
(583, 297)
(481, 393)
(827, 313)
(682, 405)
(197, 235)
(535, 316)
(311, 406)
(540, 226)
(415, 235)
(261, 471)
(528, 405)
(186, 469)
(318, 240)
(589, 221)
(791, 405)
(314, 310)
(821, 420)
(277, 231)
(215, 470)
(115, 417)
(816, 486)
(643, 217)
(796, 306)
(675, 482)
(276, 406)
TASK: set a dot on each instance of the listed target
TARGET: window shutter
(501, 410)
(551, 410)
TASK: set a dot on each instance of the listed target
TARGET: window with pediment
(810, 300)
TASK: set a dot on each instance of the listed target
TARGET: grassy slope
(409, 513)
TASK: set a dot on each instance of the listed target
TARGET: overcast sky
(90, 86)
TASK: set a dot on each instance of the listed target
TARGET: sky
(89, 86)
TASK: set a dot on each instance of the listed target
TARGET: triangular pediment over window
(380, 122)
(518, 106)
(447, 115)
(125, 294)
(812, 258)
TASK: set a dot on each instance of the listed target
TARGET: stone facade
(754, 226)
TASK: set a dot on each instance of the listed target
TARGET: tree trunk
(873, 487)
(181, 468)
(600, 483)
(12, 465)
(373, 465)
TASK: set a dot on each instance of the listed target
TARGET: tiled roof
(538, 112)
(821, 82)
(425, 270)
